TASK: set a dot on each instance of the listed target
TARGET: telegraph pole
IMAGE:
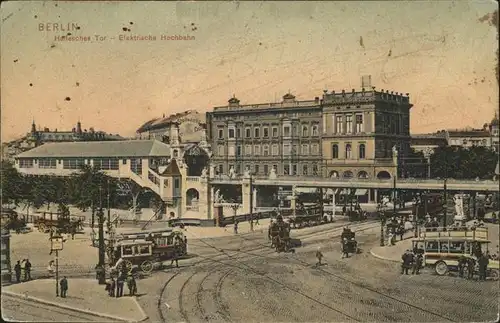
(394, 195)
(100, 218)
(251, 203)
(445, 211)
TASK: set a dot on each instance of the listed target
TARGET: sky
(441, 52)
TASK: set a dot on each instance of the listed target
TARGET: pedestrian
(23, 268)
(185, 243)
(131, 284)
(462, 261)
(50, 267)
(64, 287)
(345, 248)
(471, 264)
(407, 261)
(235, 227)
(27, 270)
(175, 255)
(17, 270)
(257, 219)
(319, 256)
(417, 263)
(483, 266)
(119, 286)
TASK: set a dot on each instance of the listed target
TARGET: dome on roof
(288, 96)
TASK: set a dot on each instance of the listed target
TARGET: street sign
(56, 243)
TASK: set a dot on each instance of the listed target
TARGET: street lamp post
(381, 212)
(251, 203)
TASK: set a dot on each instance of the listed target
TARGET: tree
(414, 164)
(131, 189)
(11, 183)
(463, 163)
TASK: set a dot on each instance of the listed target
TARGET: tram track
(360, 285)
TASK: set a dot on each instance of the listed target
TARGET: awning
(361, 191)
(305, 190)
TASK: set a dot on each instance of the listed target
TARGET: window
(248, 150)
(359, 123)
(73, 163)
(314, 149)
(315, 130)
(286, 131)
(248, 132)
(305, 131)
(256, 150)
(127, 250)
(335, 151)
(266, 132)
(348, 151)
(286, 149)
(221, 151)
(265, 150)
(443, 246)
(315, 170)
(144, 250)
(275, 131)
(275, 150)
(256, 132)
(26, 163)
(348, 124)
(256, 168)
(238, 151)
(339, 126)
(106, 163)
(266, 170)
(294, 170)
(305, 149)
(362, 151)
(136, 165)
(221, 133)
(124, 161)
(47, 163)
(286, 169)
(176, 183)
(304, 169)
(231, 133)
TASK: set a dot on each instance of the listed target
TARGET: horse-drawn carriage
(307, 218)
(349, 243)
(279, 234)
(63, 222)
(145, 248)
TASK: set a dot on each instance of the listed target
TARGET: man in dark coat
(64, 286)
(17, 270)
(417, 263)
(27, 270)
(462, 262)
(119, 285)
(407, 259)
(483, 266)
(471, 264)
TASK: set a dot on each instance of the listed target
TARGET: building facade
(426, 143)
(488, 136)
(364, 133)
(284, 136)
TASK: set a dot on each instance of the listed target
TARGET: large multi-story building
(37, 137)
(364, 132)
(285, 136)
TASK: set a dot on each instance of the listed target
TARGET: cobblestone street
(236, 284)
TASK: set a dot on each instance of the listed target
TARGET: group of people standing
(22, 268)
(114, 285)
(470, 264)
(411, 260)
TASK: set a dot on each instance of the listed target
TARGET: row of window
(287, 169)
(268, 150)
(276, 115)
(270, 133)
(348, 151)
(344, 124)
(72, 163)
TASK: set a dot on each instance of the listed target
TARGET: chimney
(366, 81)
(316, 99)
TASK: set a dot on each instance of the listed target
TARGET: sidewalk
(393, 253)
(84, 295)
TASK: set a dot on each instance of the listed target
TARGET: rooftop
(468, 133)
(126, 148)
(157, 123)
